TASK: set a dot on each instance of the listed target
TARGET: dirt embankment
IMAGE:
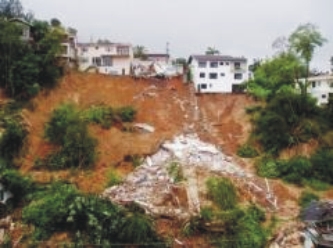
(166, 105)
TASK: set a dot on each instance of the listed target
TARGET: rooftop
(216, 58)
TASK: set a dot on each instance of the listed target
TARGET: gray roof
(216, 58)
(318, 211)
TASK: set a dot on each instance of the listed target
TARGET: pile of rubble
(292, 236)
(152, 186)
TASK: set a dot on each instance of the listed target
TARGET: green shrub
(101, 115)
(12, 140)
(317, 184)
(69, 131)
(269, 167)
(222, 192)
(322, 165)
(306, 198)
(243, 229)
(207, 213)
(127, 113)
(137, 228)
(113, 178)
(88, 218)
(247, 151)
(296, 170)
(64, 116)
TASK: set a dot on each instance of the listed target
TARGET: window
(212, 75)
(221, 63)
(213, 64)
(108, 49)
(107, 61)
(318, 83)
(323, 96)
(331, 85)
(313, 84)
(202, 64)
(226, 63)
(123, 50)
(96, 47)
(222, 74)
(203, 86)
(202, 75)
(237, 65)
(97, 61)
(238, 76)
(84, 49)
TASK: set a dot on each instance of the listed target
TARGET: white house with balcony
(320, 87)
(218, 73)
(106, 58)
(68, 49)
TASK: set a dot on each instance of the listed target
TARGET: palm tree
(303, 41)
(212, 51)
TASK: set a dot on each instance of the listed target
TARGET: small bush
(70, 132)
(269, 167)
(12, 140)
(306, 198)
(252, 109)
(127, 113)
(222, 192)
(247, 151)
(101, 115)
(296, 170)
(207, 213)
(113, 178)
(317, 184)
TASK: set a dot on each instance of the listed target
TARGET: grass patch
(113, 178)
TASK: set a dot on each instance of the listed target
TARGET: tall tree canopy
(304, 40)
(11, 9)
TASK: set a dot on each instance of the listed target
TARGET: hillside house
(320, 87)
(25, 28)
(68, 49)
(106, 58)
(217, 73)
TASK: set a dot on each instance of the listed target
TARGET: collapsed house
(153, 69)
(154, 186)
(318, 217)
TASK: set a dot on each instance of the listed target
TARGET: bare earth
(171, 107)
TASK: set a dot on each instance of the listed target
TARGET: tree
(55, 22)
(303, 41)
(140, 52)
(11, 9)
(275, 75)
(212, 51)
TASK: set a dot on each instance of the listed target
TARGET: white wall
(225, 77)
(319, 87)
(120, 63)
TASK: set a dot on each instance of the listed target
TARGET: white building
(106, 58)
(217, 74)
(68, 49)
(320, 87)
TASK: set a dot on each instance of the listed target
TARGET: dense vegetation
(226, 222)
(88, 218)
(27, 66)
(288, 116)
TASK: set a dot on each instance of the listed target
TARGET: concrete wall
(225, 72)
